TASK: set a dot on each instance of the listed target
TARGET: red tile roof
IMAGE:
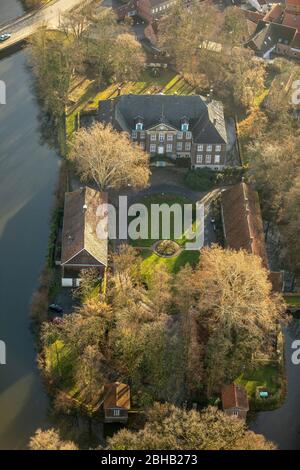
(253, 16)
(234, 396)
(292, 2)
(116, 395)
(243, 225)
(292, 20)
(81, 226)
(275, 13)
(296, 41)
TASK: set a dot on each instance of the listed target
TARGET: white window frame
(134, 134)
(218, 148)
(117, 412)
(199, 159)
(188, 146)
(153, 137)
(169, 148)
(200, 147)
(209, 148)
(152, 148)
(179, 146)
(217, 158)
(208, 159)
(142, 135)
(180, 135)
(189, 135)
(161, 137)
(170, 137)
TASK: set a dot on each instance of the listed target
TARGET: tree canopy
(172, 428)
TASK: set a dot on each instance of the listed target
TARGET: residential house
(147, 10)
(116, 402)
(278, 31)
(84, 234)
(171, 126)
(235, 401)
(243, 226)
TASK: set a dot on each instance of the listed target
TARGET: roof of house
(253, 16)
(268, 35)
(291, 20)
(116, 395)
(206, 118)
(234, 396)
(84, 228)
(243, 225)
(275, 13)
(292, 2)
(296, 41)
(251, 27)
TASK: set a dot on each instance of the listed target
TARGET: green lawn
(270, 377)
(150, 260)
(266, 375)
(159, 199)
(292, 299)
(59, 363)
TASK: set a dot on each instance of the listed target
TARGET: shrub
(201, 179)
(166, 248)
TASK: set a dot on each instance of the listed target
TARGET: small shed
(235, 401)
(116, 402)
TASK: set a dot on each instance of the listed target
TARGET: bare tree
(49, 440)
(109, 158)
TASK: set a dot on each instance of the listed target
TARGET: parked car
(4, 37)
(56, 308)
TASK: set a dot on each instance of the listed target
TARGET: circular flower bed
(166, 248)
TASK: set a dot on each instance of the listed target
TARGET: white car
(4, 37)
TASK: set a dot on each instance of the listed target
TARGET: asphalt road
(23, 27)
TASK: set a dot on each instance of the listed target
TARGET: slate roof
(268, 35)
(116, 395)
(234, 396)
(206, 118)
(243, 225)
(80, 241)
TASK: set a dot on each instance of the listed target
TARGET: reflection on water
(28, 173)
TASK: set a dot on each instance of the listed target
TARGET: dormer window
(139, 123)
(184, 124)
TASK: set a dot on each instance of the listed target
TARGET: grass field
(264, 376)
(292, 300)
(150, 260)
(158, 199)
(270, 377)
